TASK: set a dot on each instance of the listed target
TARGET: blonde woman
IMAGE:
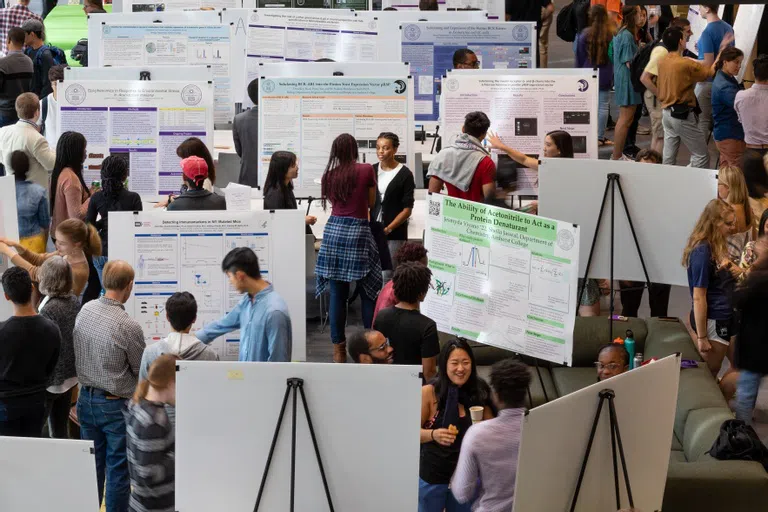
(732, 189)
(711, 279)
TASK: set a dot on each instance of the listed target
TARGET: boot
(340, 352)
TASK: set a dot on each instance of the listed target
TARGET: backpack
(571, 20)
(638, 64)
(739, 441)
(80, 52)
(59, 57)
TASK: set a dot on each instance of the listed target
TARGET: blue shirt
(703, 273)
(712, 37)
(265, 327)
(32, 206)
(726, 120)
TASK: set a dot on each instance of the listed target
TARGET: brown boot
(340, 352)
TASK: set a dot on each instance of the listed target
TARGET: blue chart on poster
(428, 47)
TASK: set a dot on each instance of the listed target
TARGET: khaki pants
(654, 112)
(546, 22)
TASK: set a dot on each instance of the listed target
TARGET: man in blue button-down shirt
(261, 315)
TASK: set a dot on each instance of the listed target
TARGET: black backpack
(637, 66)
(739, 441)
(571, 20)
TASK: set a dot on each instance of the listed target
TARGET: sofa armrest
(708, 485)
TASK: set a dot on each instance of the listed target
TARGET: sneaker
(643, 130)
(631, 152)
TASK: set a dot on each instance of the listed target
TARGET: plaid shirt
(349, 253)
(108, 347)
(14, 17)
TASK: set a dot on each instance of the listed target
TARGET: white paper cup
(476, 413)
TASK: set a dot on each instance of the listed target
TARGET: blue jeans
(338, 309)
(22, 416)
(102, 421)
(603, 109)
(98, 264)
(746, 394)
(438, 497)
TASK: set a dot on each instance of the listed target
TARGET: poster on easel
(746, 26)
(502, 277)
(141, 121)
(174, 45)
(523, 106)
(180, 5)
(495, 8)
(698, 24)
(429, 48)
(305, 115)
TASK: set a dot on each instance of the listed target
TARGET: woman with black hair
(278, 185)
(557, 144)
(445, 418)
(348, 252)
(756, 178)
(113, 197)
(31, 206)
(69, 193)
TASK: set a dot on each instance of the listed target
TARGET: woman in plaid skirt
(348, 252)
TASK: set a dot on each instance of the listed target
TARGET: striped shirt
(150, 443)
(487, 466)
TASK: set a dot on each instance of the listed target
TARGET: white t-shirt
(385, 178)
(51, 123)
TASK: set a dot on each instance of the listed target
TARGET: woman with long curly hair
(348, 253)
(711, 279)
(624, 50)
(592, 52)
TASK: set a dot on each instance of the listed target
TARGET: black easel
(613, 181)
(297, 386)
(609, 395)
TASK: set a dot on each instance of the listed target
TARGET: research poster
(305, 115)
(494, 8)
(698, 24)
(141, 121)
(183, 251)
(180, 5)
(502, 277)
(174, 45)
(300, 37)
(523, 107)
(429, 48)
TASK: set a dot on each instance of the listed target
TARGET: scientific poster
(698, 24)
(523, 107)
(305, 37)
(305, 115)
(174, 45)
(183, 251)
(429, 47)
(141, 121)
(495, 8)
(179, 5)
(502, 277)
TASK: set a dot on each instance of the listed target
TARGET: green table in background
(65, 25)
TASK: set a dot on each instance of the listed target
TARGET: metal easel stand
(613, 181)
(297, 386)
(609, 395)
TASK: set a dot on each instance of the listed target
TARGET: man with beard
(370, 347)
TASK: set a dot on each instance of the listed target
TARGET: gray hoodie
(186, 346)
(457, 163)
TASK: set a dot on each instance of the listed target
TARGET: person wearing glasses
(612, 360)
(413, 335)
(465, 58)
(368, 346)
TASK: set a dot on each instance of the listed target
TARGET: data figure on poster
(201, 249)
(474, 258)
(550, 284)
(257, 242)
(149, 311)
(156, 257)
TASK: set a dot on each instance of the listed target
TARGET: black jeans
(57, 408)
(632, 133)
(632, 294)
(22, 416)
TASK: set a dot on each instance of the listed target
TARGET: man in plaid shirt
(14, 17)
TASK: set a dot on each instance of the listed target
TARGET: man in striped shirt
(487, 466)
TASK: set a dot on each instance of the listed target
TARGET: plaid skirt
(348, 253)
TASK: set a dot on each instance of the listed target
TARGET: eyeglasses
(475, 64)
(382, 347)
(610, 366)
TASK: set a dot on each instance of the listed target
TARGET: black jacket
(198, 200)
(16, 74)
(100, 206)
(274, 199)
(751, 299)
(399, 195)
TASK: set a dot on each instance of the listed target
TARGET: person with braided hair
(113, 197)
(196, 197)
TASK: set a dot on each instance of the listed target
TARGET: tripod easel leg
(317, 449)
(272, 448)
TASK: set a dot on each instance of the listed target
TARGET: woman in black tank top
(445, 419)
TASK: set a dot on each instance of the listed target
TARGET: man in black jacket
(196, 197)
(40, 53)
(16, 73)
(245, 132)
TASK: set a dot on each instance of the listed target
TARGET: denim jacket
(32, 206)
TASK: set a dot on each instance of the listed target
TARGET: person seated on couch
(612, 360)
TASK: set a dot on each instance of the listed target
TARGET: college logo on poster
(151, 48)
(412, 32)
(254, 18)
(191, 95)
(565, 240)
(268, 86)
(452, 84)
(520, 33)
(583, 85)
(75, 94)
(400, 86)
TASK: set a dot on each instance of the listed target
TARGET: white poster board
(326, 69)
(429, 48)
(9, 228)
(47, 474)
(183, 251)
(555, 437)
(495, 8)
(305, 115)
(179, 5)
(142, 121)
(501, 277)
(664, 201)
(523, 106)
(369, 448)
(698, 24)
(174, 45)
(745, 26)
(197, 73)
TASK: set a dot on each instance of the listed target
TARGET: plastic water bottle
(637, 361)
(629, 344)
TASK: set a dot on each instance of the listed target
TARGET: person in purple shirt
(487, 466)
